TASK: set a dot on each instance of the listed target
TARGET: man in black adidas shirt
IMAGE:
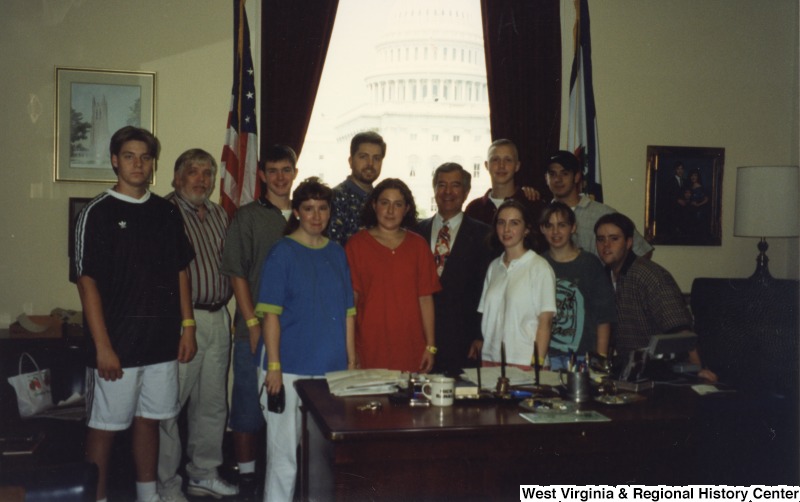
(131, 259)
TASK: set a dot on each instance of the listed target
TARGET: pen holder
(503, 386)
(578, 387)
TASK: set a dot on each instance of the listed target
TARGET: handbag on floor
(33, 389)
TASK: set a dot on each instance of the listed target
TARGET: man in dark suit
(462, 256)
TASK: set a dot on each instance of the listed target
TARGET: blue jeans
(246, 414)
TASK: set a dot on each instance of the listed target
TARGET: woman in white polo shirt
(519, 293)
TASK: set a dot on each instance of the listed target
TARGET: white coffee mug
(440, 390)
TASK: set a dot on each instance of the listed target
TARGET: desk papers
(565, 418)
(365, 382)
(703, 389)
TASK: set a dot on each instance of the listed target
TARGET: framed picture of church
(91, 105)
(684, 195)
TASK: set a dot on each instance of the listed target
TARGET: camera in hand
(277, 402)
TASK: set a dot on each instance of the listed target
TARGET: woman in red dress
(394, 278)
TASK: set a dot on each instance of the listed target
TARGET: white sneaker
(214, 487)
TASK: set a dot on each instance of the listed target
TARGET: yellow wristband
(431, 349)
(541, 361)
(188, 322)
(273, 366)
(252, 322)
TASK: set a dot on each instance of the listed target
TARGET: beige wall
(702, 73)
(697, 73)
(187, 43)
(718, 73)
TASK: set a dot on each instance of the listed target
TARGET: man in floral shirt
(367, 150)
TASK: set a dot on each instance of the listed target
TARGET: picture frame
(689, 212)
(90, 105)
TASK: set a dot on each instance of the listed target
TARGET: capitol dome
(424, 92)
(432, 51)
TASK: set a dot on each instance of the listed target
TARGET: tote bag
(33, 389)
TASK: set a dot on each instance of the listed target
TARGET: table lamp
(766, 206)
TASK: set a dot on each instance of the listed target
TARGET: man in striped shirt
(203, 380)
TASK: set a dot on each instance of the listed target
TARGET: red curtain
(522, 42)
(294, 40)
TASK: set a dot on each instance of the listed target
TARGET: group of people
(329, 279)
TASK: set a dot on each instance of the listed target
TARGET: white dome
(435, 15)
(431, 49)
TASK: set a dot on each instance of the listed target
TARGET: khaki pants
(203, 383)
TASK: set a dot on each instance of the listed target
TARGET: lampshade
(767, 201)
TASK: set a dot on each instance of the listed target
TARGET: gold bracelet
(188, 322)
(273, 366)
(432, 349)
(252, 322)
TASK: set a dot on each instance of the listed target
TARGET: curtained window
(522, 43)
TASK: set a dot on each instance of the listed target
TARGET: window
(413, 163)
(360, 90)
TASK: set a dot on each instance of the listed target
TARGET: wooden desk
(480, 452)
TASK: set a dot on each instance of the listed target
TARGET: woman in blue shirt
(306, 299)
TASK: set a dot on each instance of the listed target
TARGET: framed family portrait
(684, 195)
(90, 106)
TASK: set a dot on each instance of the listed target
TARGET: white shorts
(143, 391)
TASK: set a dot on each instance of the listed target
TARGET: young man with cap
(565, 179)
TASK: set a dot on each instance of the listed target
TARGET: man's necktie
(442, 249)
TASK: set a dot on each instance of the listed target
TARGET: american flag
(582, 126)
(240, 153)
